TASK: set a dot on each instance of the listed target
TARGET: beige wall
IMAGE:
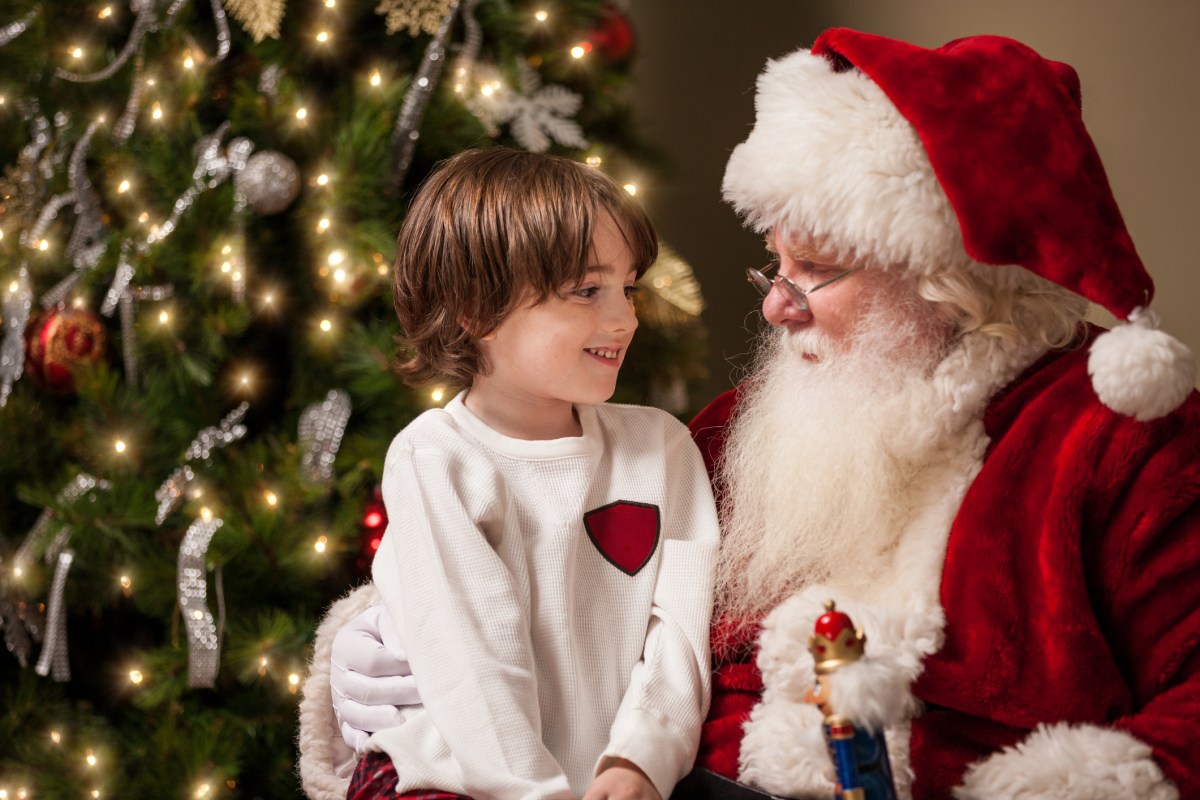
(1138, 62)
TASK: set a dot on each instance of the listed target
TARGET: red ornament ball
(613, 35)
(59, 341)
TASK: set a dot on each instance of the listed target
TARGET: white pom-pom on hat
(1139, 370)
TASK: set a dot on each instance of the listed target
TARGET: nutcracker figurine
(859, 754)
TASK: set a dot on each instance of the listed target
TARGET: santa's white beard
(821, 457)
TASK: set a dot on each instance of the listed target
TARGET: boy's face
(568, 349)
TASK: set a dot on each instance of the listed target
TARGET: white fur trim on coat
(831, 157)
(783, 750)
(326, 761)
(1069, 762)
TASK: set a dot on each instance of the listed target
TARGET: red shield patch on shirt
(625, 533)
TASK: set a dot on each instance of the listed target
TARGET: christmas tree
(197, 212)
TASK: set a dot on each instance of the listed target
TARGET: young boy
(548, 561)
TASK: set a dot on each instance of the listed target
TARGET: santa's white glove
(369, 676)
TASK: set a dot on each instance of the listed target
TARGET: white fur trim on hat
(326, 761)
(1069, 762)
(1140, 371)
(831, 157)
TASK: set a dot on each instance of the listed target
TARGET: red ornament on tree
(613, 36)
(374, 523)
(58, 342)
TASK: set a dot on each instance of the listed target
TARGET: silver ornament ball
(270, 181)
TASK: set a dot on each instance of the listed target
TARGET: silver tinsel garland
(53, 660)
(228, 431)
(170, 494)
(212, 167)
(18, 301)
(14, 29)
(144, 23)
(125, 124)
(86, 244)
(320, 432)
(204, 644)
(412, 111)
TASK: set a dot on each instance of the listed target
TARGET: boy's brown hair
(488, 232)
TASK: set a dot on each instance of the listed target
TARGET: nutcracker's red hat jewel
(835, 641)
(930, 159)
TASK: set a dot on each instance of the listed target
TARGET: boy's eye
(586, 292)
(632, 291)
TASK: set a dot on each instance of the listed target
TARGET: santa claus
(1005, 499)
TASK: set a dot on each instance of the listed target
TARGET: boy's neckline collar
(529, 449)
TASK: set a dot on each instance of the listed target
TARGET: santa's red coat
(1071, 587)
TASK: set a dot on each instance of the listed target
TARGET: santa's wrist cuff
(1069, 762)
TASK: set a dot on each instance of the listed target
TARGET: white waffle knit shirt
(537, 657)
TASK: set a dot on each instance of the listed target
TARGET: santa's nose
(779, 310)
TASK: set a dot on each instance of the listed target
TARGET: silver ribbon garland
(320, 432)
(128, 332)
(18, 303)
(222, 23)
(125, 124)
(14, 29)
(238, 153)
(55, 660)
(212, 167)
(204, 646)
(77, 487)
(472, 41)
(268, 82)
(146, 22)
(121, 279)
(228, 431)
(408, 122)
(89, 222)
(170, 494)
(85, 245)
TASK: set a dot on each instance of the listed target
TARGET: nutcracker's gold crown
(834, 642)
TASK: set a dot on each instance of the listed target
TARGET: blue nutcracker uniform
(861, 758)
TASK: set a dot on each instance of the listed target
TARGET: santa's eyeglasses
(798, 297)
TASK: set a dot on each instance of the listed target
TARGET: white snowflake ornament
(535, 115)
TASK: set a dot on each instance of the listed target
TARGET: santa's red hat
(932, 159)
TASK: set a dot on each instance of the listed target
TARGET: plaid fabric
(375, 779)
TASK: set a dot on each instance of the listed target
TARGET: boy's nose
(621, 316)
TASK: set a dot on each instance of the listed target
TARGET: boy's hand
(622, 780)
